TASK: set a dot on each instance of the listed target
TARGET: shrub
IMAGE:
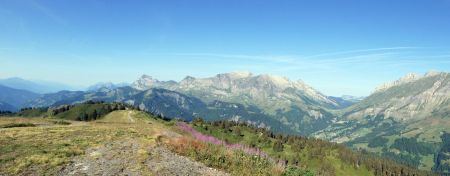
(296, 171)
(61, 122)
(13, 125)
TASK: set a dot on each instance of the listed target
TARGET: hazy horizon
(336, 48)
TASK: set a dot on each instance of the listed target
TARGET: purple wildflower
(211, 139)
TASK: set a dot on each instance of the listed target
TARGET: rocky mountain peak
(188, 78)
(234, 75)
(240, 74)
(276, 80)
(410, 77)
(257, 89)
(433, 73)
(144, 82)
(101, 85)
(147, 77)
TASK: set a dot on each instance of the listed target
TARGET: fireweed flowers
(210, 139)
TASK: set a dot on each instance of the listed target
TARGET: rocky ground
(128, 157)
(165, 162)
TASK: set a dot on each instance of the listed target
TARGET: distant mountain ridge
(264, 100)
(34, 86)
(105, 86)
(410, 98)
(410, 77)
(14, 99)
(345, 101)
(398, 119)
(7, 107)
(293, 103)
(226, 85)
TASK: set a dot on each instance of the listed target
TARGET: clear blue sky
(338, 47)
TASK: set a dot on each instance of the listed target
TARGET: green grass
(45, 150)
(125, 116)
(366, 147)
(29, 150)
(36, 112)
(427, 162)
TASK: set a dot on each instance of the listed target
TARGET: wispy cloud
(267, 58)
(360, 51)
(48, 12)
(375, 56)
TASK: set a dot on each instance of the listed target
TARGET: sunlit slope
(404, 120)
(135, 142)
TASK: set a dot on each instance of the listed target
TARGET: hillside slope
(7, 107)
(16, 97)
(404, 120)
(129, 142)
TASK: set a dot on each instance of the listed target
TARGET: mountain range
(13, 99)
(105, 86)
(39, 87)
(405, 120)
(264, 100)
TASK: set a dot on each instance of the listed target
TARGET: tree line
(93, 110)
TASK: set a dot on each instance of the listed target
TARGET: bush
(61, 122)
(13, 125)
(296, 171)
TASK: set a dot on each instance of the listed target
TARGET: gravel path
(124, 158)
(164, 162)
(111, 159)
(129, 117)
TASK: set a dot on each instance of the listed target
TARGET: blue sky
(338, 47)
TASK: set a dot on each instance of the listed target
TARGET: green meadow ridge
(154, 146)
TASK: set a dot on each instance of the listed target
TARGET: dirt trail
(166, 163)
(129, 117)
(114, 158)
(127, 157)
